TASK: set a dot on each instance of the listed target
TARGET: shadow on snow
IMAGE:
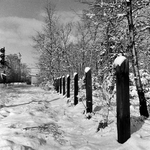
(31, 102)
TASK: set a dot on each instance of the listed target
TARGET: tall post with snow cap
(121, 65)
(75, 88)
(88, 80)
(64, 91)
(68, 86)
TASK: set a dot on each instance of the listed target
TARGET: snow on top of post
(119, 60)
(87, 69)
(68, 75)
(74, 73)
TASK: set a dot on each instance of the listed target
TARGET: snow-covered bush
(82, 95)
(131, 79)
(47, 85)
(82, 91)
(81, 83)
(109, 82)
(95, 83)
(145, 79)
(133, 92)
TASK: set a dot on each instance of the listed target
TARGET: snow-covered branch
(145, 28)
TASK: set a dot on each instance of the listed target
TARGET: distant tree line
(15, 70)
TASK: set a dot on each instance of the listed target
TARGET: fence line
(122, 96)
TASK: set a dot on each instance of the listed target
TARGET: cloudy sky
(20, 19)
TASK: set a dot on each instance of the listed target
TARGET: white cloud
(18, 30)
(69, 16)
(16, 33)
(64, 16)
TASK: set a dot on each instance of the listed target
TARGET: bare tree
(135, 65)
(118, 10)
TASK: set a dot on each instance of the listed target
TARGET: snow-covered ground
(34, 119)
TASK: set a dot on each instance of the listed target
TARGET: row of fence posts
(60, 83)
(122, 96)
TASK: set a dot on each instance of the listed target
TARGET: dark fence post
(54, 84)
(88, 84)
(60, 85)
(122, 95)
(57, 85)
(64, 92)
(68, 86)
(75, 88)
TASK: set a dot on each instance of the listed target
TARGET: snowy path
(35, 119)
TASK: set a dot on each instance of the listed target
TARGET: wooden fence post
(68, 86)
(75, 88)
(57, 85)
(54, 84)
(64, 92)
(60, 85)
(122, 95)
(88, 84)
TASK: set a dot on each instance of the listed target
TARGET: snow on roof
(87, 69)
(119, 60)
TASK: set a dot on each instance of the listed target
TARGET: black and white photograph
(74, 74)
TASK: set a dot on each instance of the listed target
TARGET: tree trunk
(132, 50)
